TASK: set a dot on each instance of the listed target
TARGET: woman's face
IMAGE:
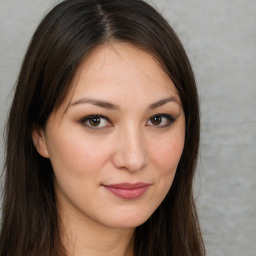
(116, 140)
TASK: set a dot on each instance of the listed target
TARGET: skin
(127, 146)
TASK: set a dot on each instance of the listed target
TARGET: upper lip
(128, 185)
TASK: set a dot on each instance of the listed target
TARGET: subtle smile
(128, 190)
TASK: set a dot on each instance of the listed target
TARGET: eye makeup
(161, 120)
(98, 122)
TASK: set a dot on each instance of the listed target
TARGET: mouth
(128, 190)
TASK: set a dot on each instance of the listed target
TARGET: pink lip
(128, 190)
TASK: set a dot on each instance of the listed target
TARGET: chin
(129, 221)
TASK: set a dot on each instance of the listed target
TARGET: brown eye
(94, 121)
(160, 120)
(156, 120)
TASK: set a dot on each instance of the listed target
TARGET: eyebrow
(163, 102)
(111, 106)
(99, 103)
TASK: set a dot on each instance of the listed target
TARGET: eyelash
(85, 121)
(170, 120)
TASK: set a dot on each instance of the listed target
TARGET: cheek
(167, 154)
(77, 155)
(165, 159)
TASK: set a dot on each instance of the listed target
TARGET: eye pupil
(156, 120)
(94, 121)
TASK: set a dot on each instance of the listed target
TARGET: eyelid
(83, 121)
(170, 118)
(86, 118)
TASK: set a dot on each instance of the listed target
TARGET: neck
(80, 237)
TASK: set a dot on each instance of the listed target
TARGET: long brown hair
(30, 222)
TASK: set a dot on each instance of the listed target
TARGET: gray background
(220, 38)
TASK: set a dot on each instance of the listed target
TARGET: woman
(102, 137)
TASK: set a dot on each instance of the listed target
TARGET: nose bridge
(131, 152)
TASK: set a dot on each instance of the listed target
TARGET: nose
(131, 150)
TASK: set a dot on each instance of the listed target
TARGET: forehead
(118, 68)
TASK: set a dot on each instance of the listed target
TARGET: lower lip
(128, 193)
